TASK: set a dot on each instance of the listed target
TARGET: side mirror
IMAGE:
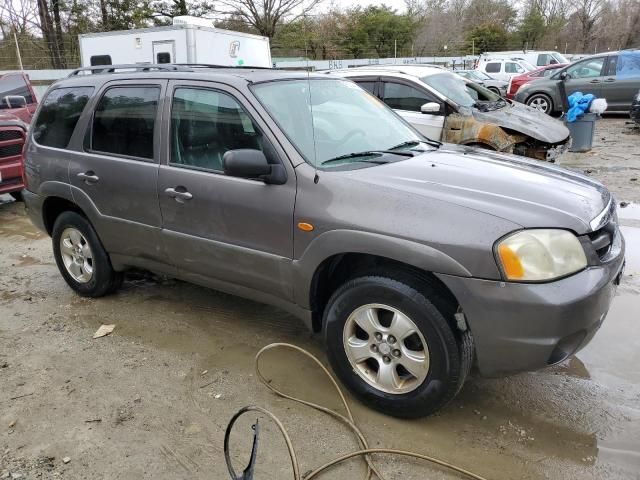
(248, 163)
(564, 75)
(14, 101)
(430, 107)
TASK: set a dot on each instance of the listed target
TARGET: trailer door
(164, 51)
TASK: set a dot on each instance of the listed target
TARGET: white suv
(444, 106)
(503, 68)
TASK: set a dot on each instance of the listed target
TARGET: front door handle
(594, 81)
(609, 80)
(179, 194)
(89, 177)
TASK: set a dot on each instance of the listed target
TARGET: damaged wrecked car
(444, 106)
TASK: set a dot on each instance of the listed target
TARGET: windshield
(461, 92)
(330, 118)
(482, 75)
(559, 57)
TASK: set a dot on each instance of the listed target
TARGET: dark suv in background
(413, 258)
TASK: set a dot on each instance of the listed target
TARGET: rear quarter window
(492, 67)
(59, 115)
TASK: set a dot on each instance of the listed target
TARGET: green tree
(487, 37)
(532, 28)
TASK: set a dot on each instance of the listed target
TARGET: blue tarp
(578, 105)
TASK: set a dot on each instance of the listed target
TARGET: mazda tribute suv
(414, 259)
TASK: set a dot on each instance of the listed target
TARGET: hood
(525, 192)
(9, 120)
(521, 118)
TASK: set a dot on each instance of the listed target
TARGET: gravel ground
(152, 399)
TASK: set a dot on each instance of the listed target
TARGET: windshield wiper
(367, 153)
(410, 143)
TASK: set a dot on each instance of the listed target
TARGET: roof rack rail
(147, 67)
(212, 65)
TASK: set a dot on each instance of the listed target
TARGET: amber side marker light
(305, 227)
(510, 263)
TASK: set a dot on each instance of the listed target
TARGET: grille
(10, 150)
(10, 135)
(602, 239)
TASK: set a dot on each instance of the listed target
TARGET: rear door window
(404, 97)
(15, 85)
(493, 67)
(124, 121)
(627, 65)
(59, 115)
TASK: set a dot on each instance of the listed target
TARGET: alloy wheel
(386, 349)
(76, 255)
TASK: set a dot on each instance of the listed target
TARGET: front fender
(337, 242)
(465, 130)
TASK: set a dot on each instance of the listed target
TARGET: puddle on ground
(28, 260)
(630, 212)
(632, 253)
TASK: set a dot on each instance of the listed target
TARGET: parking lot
(152, 399)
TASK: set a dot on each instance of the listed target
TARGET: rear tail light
(509, 87)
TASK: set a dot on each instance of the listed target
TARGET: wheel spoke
(75, 269)
(66, 247)
(414, 362)
(367, 320)
(401, 326)
(388, 376)
(86, 251)
(75, 237)
(359, 350)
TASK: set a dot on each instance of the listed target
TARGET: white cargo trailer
(188, 40)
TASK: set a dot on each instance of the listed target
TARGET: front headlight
(539, 255)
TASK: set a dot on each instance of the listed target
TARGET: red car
(517, 81)
(17, 105)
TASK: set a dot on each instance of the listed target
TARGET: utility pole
(473, 47)
(395, 49)
(15, 37)
(566, 46)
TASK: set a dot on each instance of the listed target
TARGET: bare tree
(587, 13)
(266, 15)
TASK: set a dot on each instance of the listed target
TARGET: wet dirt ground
(152, 400)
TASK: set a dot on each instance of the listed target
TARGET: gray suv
(415, 259)
(614, 76)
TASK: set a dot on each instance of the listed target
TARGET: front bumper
(525, 326)
(11, 176)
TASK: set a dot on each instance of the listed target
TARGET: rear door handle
(89, 177)
(594, 81)
(179, 194)
(609, 80)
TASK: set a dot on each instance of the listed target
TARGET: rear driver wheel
(81, 258)
(393, 348)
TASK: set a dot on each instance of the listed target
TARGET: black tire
(541, 99)
(450, 351)
(105, 279)
(17, 196)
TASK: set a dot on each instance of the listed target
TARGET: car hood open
(526, 192)
(527, 120)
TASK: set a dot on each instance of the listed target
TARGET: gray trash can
(582, 131)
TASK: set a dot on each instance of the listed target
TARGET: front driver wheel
(541, 102)
(81, 258)
(391, 346)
